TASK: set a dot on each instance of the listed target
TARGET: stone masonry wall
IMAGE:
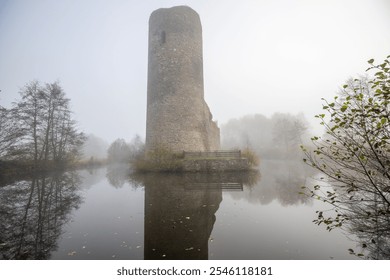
(178, 117)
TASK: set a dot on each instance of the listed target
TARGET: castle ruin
(178, 117)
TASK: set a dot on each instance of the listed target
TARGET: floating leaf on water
(188, 218)
(139, 247)
(189, 249)
(164, 256)
(83, 247)
(72, 253)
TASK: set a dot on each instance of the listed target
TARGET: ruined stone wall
(178, 118)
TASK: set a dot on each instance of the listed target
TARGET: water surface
(107, 214)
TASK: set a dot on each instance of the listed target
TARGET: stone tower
(178, 117)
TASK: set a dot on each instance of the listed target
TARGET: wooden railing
(214, 154)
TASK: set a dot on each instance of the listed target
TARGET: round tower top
(180, 19)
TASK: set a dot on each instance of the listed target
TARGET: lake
(107, 214)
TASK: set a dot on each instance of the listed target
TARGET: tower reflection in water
(180, 213)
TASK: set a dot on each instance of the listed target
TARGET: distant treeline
(122, 152)
(278, 137)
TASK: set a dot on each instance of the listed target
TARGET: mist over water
(106, 214)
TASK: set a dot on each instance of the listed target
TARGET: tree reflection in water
(280, 181)
(33, 212)
(362, 215)
(117, 174)
(372, 230)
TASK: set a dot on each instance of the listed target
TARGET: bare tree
(9, 133)
(49, 132)
(29, 116)
(288, 131)
(137, 148)
(118, 152)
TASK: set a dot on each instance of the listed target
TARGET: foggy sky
(260, 56)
